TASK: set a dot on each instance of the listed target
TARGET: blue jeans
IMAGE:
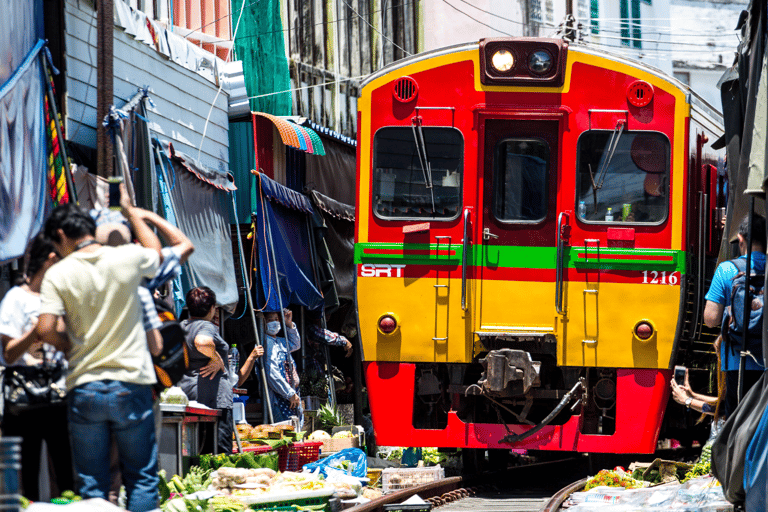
(104, 409)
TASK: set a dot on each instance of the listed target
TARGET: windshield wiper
(421, 149)
(603, 169)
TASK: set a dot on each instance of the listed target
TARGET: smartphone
(114, 192)
(680, 372)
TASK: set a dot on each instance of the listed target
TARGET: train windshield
(623, 177)
(521, 169)
(417, 172)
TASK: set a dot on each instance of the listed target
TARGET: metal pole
(747, 301)
(249, 305)
(105, 29)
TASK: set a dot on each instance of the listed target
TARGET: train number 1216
(663, 277)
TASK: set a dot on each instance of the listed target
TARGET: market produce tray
(319, 497)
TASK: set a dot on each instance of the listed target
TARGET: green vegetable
(24, 502)
(177, 485)
(700, 469)
(246, 460)
(610, 478)
(175, 505)
(328, 417)
(162, 487)
(225, 504)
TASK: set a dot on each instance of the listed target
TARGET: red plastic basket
(294, 456)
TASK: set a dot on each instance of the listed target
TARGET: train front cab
(521, 248)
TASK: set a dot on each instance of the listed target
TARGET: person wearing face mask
(208, 379)
(283, 377)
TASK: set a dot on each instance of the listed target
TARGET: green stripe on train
(520, 256)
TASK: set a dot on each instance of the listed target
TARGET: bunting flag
(57, 179)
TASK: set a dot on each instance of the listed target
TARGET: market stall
(182, 432)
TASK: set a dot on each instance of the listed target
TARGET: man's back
(97, 293)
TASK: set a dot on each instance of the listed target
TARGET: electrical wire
(217, 20)
(646, 30)
(656, 29)
(308, 87)
(642, 52)
(329, 22)
(498, 16)
(650, 41)
(376, 30)
(476, 20)
(221, 83)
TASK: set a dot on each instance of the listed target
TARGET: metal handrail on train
(464, 248)
(559, 264)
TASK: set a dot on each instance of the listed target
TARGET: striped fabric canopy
(295, 136)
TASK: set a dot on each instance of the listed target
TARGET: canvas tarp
(201, 202)
(338, 241)
(739, 93)
(334, 174)
(282, 225)
(22, 130)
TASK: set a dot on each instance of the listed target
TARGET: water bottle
(234, 360)
(609, 215)
(582, 210)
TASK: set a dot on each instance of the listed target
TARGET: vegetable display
(612, 478)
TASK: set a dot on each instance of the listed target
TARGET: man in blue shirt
(719, 297)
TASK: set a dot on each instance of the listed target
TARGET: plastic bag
(351, 460)
(174, 395)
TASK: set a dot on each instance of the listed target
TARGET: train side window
(623, 177)
(520, 175)
(402, 189)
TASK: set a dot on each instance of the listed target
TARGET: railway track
(528, 488)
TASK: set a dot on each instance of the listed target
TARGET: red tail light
(387, 324)
(643, 330)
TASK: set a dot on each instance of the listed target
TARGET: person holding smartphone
(684, 395)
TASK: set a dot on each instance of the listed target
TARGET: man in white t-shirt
(94, 288)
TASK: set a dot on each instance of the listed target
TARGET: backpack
(173, 361)
(733, 320)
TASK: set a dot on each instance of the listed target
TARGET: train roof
(698, 104)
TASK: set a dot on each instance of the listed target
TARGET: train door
(515, 253)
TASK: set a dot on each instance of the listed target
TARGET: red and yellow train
(534, 223)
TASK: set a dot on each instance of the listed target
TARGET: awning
(199, 199)
(283, 195)
(295, 136)
(282, 241)
(332, 207)
(337, 228)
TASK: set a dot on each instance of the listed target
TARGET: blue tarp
(23, 189)
(284, 213)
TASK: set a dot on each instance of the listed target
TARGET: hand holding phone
(680, 372)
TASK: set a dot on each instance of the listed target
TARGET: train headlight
(540, 62)
(387, 323)
(644, 330)
(503, 61)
